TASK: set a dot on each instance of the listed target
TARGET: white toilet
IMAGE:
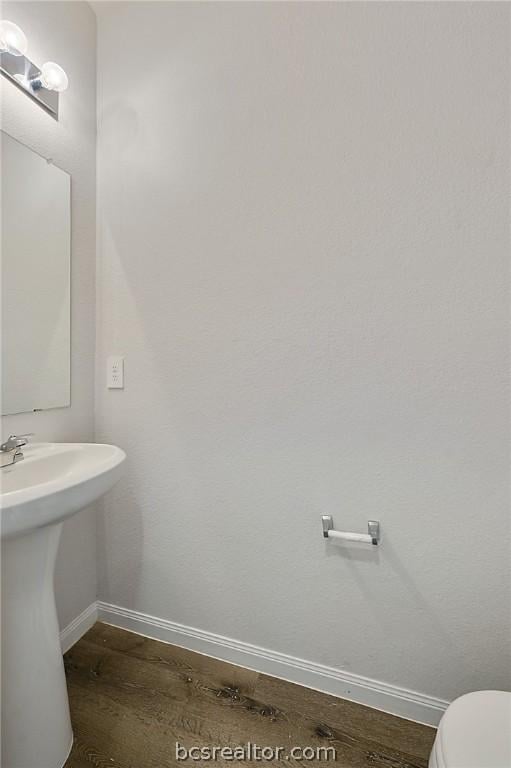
(475, 732)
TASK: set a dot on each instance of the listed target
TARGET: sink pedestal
(36, 727)
(53, 482)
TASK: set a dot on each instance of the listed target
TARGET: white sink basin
(51, 483)
(54, 481)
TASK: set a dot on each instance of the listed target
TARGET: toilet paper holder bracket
(371, 537)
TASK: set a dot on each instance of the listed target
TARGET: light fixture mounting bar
(24, 74)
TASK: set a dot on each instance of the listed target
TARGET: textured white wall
(303, 241)
(66, 32)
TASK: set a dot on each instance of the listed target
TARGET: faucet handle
(22, 439)
(15, 441)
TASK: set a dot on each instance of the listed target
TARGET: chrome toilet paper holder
(371, 537)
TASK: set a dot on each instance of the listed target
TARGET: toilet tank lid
(475, 731)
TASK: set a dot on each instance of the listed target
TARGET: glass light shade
(12, 39)
(53, 77)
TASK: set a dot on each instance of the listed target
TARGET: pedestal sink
(53, 481)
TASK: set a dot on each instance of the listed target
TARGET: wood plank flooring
(132, 698)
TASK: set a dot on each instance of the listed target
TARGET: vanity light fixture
(43, 84)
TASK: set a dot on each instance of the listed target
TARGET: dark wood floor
(132, 698)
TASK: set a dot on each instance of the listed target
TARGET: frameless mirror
(35, 272)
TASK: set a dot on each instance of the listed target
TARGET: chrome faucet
(13, 446)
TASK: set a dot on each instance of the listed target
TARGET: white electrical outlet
(115, 372)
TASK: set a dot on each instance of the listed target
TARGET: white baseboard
(372, 693)
(78, 627)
